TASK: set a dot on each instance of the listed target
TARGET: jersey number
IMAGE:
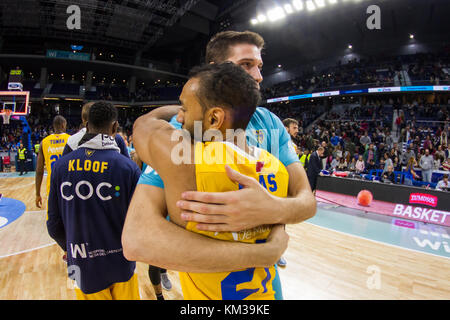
(53, 158)
(230, 283)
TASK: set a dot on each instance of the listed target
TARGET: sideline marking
(28, 250)
(376, 241)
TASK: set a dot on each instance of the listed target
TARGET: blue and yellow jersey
(210, 160)
(52, 148)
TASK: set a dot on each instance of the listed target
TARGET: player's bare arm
(39, 176)
(175, 248)
(225, 211)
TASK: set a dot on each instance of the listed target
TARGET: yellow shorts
(128, 290)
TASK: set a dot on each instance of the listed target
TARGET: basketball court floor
(341, 253)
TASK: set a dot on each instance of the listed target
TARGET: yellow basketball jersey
(210, 161)
(52, 148)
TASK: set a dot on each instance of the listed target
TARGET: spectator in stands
(397, 164)
(441, 153)
(426, 164)
(443, 185)
(408, 155)
(371, 166)
(360, 166)
(370, 154)
(334, 163)
(352, 165)
(389, 140)
(365, 139)
(446, 165)
(387, 162)
(410, 174)
(437, 161)
(337, 152)
(335, 139)
(427, 144)
(389, 176)
(342, 166)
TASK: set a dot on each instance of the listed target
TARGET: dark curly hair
(101, 115)
(227, 85)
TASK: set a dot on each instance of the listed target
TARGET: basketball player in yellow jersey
(217, 97)
(50, 150)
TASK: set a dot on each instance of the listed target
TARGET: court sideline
(322, 263)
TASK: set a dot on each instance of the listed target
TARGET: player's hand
(39, 201)
(231, 210)
(278, 242)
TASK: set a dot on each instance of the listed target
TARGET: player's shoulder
(271, 161)
(47, 138)
(268, 118)
(61, 163)
(76, 136)
(121, 161)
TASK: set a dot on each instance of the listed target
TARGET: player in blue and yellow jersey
(91, 188)
(218, 97)
(244, 209)
(50, 150)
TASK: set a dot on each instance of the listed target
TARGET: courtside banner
(422, 198)
(409, 212)
(400, 201)
(360, 91)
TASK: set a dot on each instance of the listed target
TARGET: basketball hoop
(6, 116)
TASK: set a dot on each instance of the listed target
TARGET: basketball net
(6, 116)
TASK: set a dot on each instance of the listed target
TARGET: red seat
(7, 163)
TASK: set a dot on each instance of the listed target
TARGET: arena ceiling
(134, 25)
(171, 29)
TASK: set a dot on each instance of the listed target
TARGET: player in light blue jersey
(230, 211)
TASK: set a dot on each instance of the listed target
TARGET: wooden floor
(322, 264)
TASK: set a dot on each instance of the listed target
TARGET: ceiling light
(275, 14)
(254, 21)
(350, 46)
(298, 5)
(320, 3)
(411, 36)
(261, 18)
(288, 8)
(310, 5)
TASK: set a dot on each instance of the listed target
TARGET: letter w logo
(75, 248)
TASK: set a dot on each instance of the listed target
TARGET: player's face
(191, 109)
(248, 56)
(293, 129)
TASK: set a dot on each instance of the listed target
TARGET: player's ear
(215, 118)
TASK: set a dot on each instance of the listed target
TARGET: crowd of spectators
(421, 68)
(360, 142)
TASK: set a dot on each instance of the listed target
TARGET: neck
(96, 132)
(239, 139)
